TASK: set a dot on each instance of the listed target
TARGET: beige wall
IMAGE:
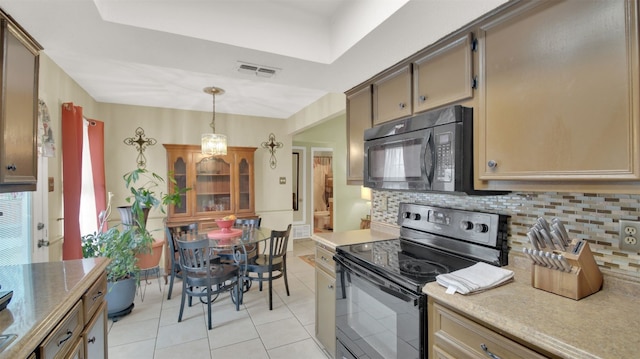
(347, 204)
(56, 88)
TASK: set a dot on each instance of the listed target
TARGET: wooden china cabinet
(220, 185)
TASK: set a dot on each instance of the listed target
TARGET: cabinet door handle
(492, 164)
(91, 340)
(422, 98)
(330, 286)
(12, 167)
(486, 351)
(69, 335)
(401, 106)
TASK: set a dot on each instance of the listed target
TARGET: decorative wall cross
(272, 145)
(141, 144)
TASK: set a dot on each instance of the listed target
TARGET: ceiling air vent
(257, 70)
(264, 72)
(249, 69)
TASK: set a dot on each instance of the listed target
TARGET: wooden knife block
(584, 279)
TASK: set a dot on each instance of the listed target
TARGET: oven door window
(401, 162)
(376, 320)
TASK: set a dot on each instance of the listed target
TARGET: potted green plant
(145, 189)
(127, 246)
(120, 247)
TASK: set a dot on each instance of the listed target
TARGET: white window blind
(15, 228)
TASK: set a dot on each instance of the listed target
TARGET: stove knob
(416, 216)
(466, 225)
(481, 228)
(406, 214)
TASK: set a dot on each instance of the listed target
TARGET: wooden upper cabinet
(392, 95)
(220, 185)
(358, 120)
(559, 92)
(444, 75)
(19, 56)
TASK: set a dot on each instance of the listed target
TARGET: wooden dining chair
(274, 261)
(204, 276)
(173, 233)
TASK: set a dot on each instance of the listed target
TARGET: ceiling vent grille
(257, 70)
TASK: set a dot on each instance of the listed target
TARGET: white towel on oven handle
(480, 276)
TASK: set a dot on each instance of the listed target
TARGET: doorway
(322, 189)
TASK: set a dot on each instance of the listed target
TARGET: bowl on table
(225, 224)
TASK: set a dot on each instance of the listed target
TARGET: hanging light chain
(213, 118)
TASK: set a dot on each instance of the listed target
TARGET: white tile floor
(152, 329)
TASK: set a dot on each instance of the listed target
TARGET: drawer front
(324, 259)
(463, 338)
(65, 336)
(94, 297)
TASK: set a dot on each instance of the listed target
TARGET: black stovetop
(407, 263)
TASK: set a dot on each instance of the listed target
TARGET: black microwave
(432, 151)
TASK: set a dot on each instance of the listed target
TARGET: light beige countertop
(603, 325)
(43, 293)
(335, 239)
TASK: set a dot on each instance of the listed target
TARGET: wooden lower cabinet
(94, 337)
(453, 335)
(82, 333)
(326, 299)
(64, 339)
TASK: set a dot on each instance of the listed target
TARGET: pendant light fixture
(212, 143)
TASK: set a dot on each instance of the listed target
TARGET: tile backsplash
(593, 217)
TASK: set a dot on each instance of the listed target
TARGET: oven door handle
(382, 283)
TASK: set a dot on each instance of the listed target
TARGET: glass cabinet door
(213, 184)
(244, 160)
(178, 168)
(244, 179)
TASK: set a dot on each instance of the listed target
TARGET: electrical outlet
(629, 235)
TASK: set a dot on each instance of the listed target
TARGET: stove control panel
(477, 227)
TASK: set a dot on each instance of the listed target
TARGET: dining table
(235, 241)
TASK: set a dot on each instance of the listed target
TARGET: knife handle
(547, 239)
(557, 239)
(533, 240)
(562, 229)
(544, 259)
(565, 264)
(528, 255)
(536, 233)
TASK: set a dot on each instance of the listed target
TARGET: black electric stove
(404, 262)
(380, 307)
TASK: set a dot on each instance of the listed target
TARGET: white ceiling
(162, 53)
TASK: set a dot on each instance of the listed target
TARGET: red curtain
(72, 129)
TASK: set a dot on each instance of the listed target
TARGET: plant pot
(120, 295)
(126, 216)
(151, 259)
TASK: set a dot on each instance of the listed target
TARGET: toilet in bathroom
(321, 219)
